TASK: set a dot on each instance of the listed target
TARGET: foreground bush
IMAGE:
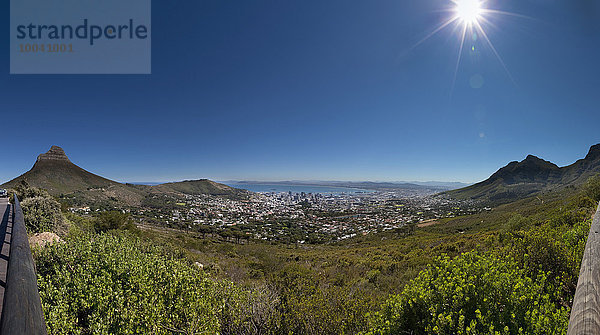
(116, 284)
(592, 188)
(42, 214)
(474, 294)
(24, 191)
(557, 251)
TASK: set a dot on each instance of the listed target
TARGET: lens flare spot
(476, 81)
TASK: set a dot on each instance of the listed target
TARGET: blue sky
(331, 90)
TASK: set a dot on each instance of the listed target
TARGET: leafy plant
(475, 293)
(112, 220)
(117, 284)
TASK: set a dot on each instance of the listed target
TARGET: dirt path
(427, 223)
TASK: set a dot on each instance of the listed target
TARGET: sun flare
(470, 19)
(468, 11)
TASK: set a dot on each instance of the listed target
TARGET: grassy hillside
(366, 284)
(63, 178)
(202, 186)
(340, 287)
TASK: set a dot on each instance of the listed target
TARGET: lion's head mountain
(54, 172)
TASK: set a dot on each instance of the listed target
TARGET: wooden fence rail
(22, 309)
(585, 314)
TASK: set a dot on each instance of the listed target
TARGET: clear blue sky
(314, 89)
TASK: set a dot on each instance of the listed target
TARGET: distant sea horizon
(295, 188)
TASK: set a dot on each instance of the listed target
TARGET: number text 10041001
(33, 48)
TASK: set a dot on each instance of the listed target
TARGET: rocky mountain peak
(55, 153)
(532, 160)
(594, 152)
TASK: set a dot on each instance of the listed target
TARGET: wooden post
(22, 312)
(585, 314)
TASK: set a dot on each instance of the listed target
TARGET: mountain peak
(594, 152)
(55, 153)
(530, 176)
(532, 160)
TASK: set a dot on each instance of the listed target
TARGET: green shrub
(555, 250)
(80, 224)
(24, 191)
(569, 217)
(517, 222)
(584, 201)
(41, 214)
(309, 306)
(117, 284)
(473, 294)
(592, 188)
(112, 220)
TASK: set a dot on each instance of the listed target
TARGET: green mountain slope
(201, 186)
(54, 172)
(530, 176)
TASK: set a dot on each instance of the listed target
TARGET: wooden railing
(585, 314)
(22, 308)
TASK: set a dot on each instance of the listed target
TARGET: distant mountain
(201, 186)
(382, 186)
(529, 176)
(367, 185)
(54, 172)
(451, 185)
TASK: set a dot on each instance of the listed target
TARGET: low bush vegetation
(42, 212)
(475, 293)
(112, 220)
(523, 283)
(117, 284)
(512, 270)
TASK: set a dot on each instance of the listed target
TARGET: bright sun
(470, 18)
(468, 11)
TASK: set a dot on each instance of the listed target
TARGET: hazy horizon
(157, 179)
(296, 181)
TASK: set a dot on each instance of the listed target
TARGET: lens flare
(468, 11)
(471, 18)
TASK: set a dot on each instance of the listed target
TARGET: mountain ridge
(365, 184)
(54, 172)
(532, 175)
